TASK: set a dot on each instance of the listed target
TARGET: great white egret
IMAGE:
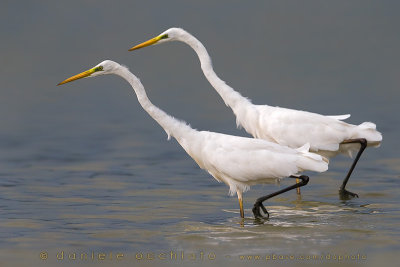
(327, 135)
(237, 161)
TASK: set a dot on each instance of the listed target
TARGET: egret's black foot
(258, 206)
(344, 194)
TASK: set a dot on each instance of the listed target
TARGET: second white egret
(327, 135)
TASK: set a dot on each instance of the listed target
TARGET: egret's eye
(165, 36)
(99, 68)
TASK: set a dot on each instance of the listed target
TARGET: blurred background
(84, 168)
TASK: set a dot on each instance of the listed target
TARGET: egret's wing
(247, 159)
(295, 128)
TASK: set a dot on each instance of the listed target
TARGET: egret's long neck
(231, 98)
(172, 126)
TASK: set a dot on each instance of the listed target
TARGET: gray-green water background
(83, 169)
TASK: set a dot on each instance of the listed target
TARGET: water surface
(86, 176)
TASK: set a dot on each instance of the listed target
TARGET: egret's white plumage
(237, 161)
(288, 127)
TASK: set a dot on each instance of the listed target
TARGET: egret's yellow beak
(79, 76)
(149, 42)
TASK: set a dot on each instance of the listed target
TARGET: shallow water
(147, 199)
(86, 176)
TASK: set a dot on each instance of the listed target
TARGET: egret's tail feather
(368, 125)
(368, 131)
(311, 161)
(340, 117)
(304, 148)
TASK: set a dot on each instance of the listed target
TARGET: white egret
(237, 161)
(327, 135)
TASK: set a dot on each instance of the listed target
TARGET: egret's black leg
(258, 204)
(344, 194)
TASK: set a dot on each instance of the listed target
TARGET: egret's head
(105, 67)
(172, 34)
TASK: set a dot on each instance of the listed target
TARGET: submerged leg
(239, 194)
(342, 190)
(298, 188)
(258, 204)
